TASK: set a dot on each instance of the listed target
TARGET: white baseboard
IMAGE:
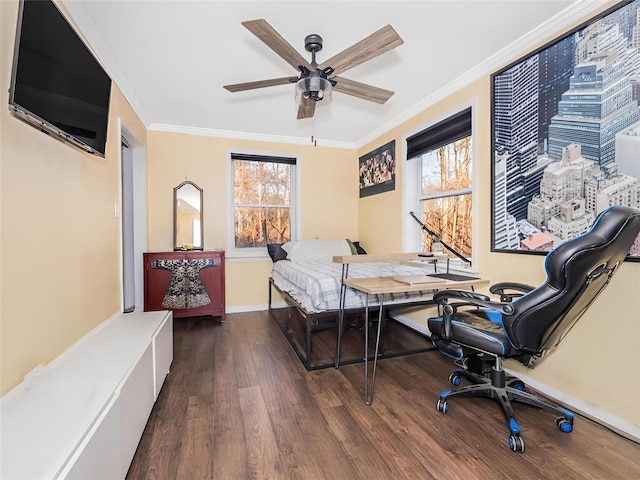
(607, 419)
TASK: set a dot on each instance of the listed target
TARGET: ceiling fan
(315, 82)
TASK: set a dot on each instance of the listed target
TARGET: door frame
(140, 234)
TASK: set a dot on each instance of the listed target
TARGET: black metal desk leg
(366, 348)
(343, 294)
(369, 397)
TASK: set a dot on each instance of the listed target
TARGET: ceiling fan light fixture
(313, 88)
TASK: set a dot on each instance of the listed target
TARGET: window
(445, 196)
(441, 159)
(263, 204)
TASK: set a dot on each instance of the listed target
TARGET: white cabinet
(138, 397)
(84, 414)
(163, 355)
(99, 456)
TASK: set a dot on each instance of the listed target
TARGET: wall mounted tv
(56, 83)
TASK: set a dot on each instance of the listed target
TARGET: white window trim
(296, 228)
(411, 231)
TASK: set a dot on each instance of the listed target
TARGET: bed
(310, 282)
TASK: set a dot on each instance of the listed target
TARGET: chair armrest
(467, 298)
(501, 289)
(459, 294)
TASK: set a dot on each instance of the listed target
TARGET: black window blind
(262, 158)
(447, 131)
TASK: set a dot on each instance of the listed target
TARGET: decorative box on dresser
(189, 283)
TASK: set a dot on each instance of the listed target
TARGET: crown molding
(255, 137)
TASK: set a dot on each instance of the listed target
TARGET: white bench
(82, 416)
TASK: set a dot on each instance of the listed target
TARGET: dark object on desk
(533, 323)
(416, 279)
(452, 276)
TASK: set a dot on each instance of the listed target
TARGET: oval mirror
(187, 217)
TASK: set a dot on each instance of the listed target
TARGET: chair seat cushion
(472, 328)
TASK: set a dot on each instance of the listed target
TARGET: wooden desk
(420, 259)
(385, 285)
(382, 286)
(388, 258)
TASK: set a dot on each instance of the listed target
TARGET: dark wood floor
(238, 404)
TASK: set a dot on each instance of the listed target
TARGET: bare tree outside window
(262, 202)
(446, 195)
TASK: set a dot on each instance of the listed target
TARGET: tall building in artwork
(614, 34)
(597, 105)
(516, 129)
(575, 190)
(618, 189)
(626, 18)
(562, 182)
(628, 150)
(602, 98)
(555, 67)
(572, 221)
(600, 37)
(635, 30)
(505, 233)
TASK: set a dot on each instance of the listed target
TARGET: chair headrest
(606, 244)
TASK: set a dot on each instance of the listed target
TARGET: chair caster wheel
(442, 406)
(516, 443)
(564, 425)
(454, 379)
(518, 386)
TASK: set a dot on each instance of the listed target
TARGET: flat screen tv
(57, 85)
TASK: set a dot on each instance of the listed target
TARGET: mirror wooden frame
(195, 214)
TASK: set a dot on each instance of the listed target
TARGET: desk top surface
(382, 285)
(390, 257)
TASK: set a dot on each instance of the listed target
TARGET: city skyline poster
(565, 133)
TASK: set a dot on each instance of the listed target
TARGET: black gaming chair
(528, 322)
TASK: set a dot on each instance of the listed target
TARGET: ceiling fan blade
(239, 87)
(361, 90)
(268, 35)
(375, 44)
(306, 109)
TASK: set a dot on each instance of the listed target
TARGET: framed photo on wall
(565, 128)
(377, 170)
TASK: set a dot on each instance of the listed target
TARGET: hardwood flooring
(238, 404)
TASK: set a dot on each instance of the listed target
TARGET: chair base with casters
(505, 389)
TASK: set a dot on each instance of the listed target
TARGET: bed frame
(302, 327)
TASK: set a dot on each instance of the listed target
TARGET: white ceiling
(171, 58)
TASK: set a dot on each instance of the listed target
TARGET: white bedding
(315, 285)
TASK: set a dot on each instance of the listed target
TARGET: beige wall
(329, 179)
(60, 247)
(597, 362)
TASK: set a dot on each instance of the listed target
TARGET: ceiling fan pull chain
(313, 131)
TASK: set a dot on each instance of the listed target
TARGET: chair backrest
(577, 271)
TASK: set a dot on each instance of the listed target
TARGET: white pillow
(316, 249)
